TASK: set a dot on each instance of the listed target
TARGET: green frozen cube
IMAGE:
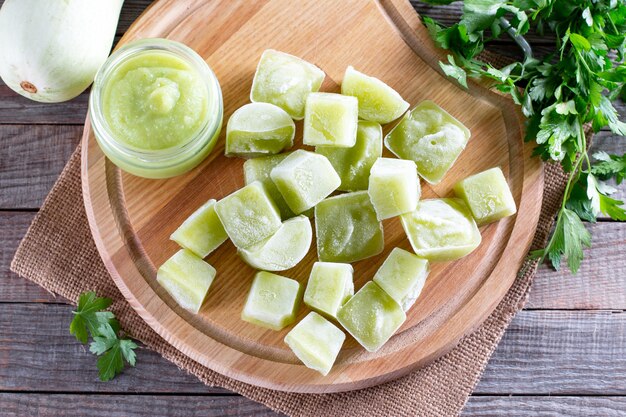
(248, 215)
(304, 179)
(371, 316)
(353, 164)
(393, 187)
(202, 232)
(272, 302)
(347, 229)
(330, 286)
(429, 136)
(488, 196)
(258, 169)
(285, 81)
(330, 120)
(441, 229)
(377, 101)
(187, 278)
(284, 249)
(402, 276)
(316, 342)
(258, 129)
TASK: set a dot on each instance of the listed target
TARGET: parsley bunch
(560, 93)
(89, 319)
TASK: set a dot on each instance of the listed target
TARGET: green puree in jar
(155, 101)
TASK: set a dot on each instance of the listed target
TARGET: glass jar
(156, 108)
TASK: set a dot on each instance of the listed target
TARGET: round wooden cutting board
(132, 218)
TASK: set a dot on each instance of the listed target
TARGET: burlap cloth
(59, 254)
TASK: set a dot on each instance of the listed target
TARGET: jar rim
(159, 158)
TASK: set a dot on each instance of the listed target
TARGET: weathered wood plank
(31, 159)
(600, 282)
(15, 109)
(38, 354)
(12, 287)
(498, 406)
(130, 12)
(560, 352)
(66, 405)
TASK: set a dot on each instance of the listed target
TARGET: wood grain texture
(71, 405)
(132, 218)
(558, 352)
(37, 353)
(16, 109)
(545, 406)
(600, 282)
(31, 159)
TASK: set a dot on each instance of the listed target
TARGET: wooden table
(564, 354)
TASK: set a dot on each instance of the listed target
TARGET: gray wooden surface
(565, 354)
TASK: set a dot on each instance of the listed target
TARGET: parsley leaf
(612, 208)
(103, 328)
(559, 93)
(568, 240)
(88, 317)
(454, 71)
(609, 166)
(111, 362)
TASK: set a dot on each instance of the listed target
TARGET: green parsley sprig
(89, 319)
(573, 86)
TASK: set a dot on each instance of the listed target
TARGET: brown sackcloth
(59, 254)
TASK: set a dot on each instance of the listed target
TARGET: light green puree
(155, 101)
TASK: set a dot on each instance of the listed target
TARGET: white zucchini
(50, 50)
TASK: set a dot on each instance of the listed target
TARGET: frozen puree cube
(441, 229)
(429, 136)
(258, 129)
(347, 229)
(187, 278)
(402, 276)
(285, 81)
(316, 342)
(258, 169)
(377, 101)
(304, 179)
(488, 196)
(371, 316)
(330, 286)
(248, 215)
(272, 302)
(202, 232)
(330, 120)
(353, 164)
(284, 249)
(393, 187)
